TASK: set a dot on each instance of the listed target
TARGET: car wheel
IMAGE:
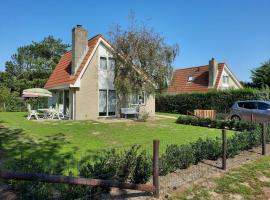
(236, 118)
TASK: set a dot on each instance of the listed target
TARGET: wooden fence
(92, 182)
(205, 114)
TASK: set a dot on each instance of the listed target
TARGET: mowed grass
(251, 181)
(84, 136)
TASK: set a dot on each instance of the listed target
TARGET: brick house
(203, 78)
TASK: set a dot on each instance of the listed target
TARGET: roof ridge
(222, 63)
(192, 67)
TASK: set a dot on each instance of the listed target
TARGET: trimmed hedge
(216, 100)
(220, 124)
(182, 156)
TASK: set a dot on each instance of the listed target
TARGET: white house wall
(232, 83)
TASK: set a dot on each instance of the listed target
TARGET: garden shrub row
(216, 100)
(131, 165)
(182, 156)
(216, 123)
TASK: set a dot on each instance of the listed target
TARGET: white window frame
(107, 103)
(190, 79)
(225, 80)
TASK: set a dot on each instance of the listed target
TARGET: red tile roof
(200, 76)
(61, 75)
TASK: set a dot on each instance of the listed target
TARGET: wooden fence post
(251, 118)
(224, 149)
(156, 167)
(263, 138)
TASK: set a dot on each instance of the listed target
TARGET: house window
(138, 99)
(107, 64)
(225, 80)
(107, 102)
(111, 63)
(103, 63)
(190, 79)
(141, 98)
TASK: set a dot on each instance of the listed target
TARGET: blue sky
(233, 31)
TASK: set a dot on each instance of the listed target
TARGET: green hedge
(220, 124)
(217, 100)
(182, 156)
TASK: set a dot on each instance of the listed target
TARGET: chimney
(79, 46)
(213, 70)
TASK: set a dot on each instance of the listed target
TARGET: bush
(181, 156)
(207, 149)
(131, 165)
(176, 157)
(220, 124)
(216, 100)
(143, 116)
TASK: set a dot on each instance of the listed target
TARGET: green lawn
(251, 181)
(168, 114)
(79, 137)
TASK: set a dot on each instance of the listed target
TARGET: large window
(107, 102)
(107, 63)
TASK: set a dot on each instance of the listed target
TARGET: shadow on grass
(15, 145)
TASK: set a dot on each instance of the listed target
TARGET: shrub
(143, 116)
(207, 149)
(131, 165)
(216, 100)
(176, 157)
(221, 124)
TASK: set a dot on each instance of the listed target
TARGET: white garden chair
(31, 113)
(58, 112)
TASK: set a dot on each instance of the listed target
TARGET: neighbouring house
(83, 80)
(203, 78)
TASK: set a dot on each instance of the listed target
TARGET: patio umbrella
(36, 92)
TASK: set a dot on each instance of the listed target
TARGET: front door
(107, 102)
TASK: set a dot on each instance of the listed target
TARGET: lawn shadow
(48, 152)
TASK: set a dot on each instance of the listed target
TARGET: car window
(263, 106)
(241, 104)
(250, 105)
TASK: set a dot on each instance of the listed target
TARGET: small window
(190, 78)
(103, 63)
(138, 99)
(250, 105)
(225, 79)
(263, 106)
(111, 64)
(141, 98)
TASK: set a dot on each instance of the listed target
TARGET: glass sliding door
(102, 102)
(107, 102)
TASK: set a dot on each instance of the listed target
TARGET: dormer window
(190, 78)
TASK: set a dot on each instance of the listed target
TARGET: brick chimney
(213, 70)
(79, 46)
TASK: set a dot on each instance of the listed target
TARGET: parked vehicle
(256, 110)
